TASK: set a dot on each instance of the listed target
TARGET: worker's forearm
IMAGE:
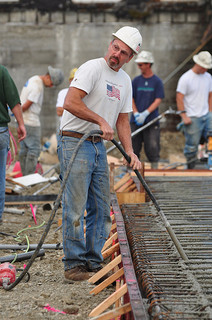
(154, 105)
(74, 104)
(180, 104)
(26, 105)
(124, 133)
(18, 114)
(181, 107)
(180, 101)
(80, 110)
(134, 106)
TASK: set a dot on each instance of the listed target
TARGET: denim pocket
(4, 138)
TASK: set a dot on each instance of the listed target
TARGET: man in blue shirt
(148, 92)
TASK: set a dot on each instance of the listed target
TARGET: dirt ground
(46, 286)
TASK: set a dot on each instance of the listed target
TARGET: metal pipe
(50, 169)
(22, 256)
(31, 246)
(13, 210)
(46, 186)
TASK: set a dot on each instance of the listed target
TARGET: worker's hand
(21, 132)
(135, 163)
(186, 120)
(140, 117)
(108, 132)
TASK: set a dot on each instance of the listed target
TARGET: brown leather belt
(78, 135)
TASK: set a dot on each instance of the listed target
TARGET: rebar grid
(174, 289)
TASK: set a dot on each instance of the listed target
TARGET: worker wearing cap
(61, 98)
(148, 92)
(32, 100)
(194, 96)
(99, 98)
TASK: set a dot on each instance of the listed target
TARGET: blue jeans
(4, 148)
(30, 150)
(194, 131)
(87, 188)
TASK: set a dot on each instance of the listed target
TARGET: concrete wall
(27, 49)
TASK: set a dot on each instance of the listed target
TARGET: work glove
(180, 126)
(140, 117)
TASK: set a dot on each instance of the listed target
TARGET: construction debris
(14, 210)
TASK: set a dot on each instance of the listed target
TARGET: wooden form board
(177, 173)
(130, 197)
(127, 192)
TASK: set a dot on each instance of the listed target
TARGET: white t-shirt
(108, 94)
(195, 88)
(33, 90)
(60, 101)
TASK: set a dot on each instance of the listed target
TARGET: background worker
(61, 98)
(32, 100)
(99, 98)
(148, 92)
(8, 97)
(194, 95)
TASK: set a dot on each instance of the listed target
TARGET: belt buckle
(93, 139)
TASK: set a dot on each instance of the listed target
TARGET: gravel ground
(46, 285)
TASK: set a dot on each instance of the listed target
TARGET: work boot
(78, 273)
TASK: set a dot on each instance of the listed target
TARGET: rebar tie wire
(58, 199)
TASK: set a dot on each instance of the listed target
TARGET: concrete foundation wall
(27, 49)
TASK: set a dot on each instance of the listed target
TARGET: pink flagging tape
(33, 213)
(47, 307)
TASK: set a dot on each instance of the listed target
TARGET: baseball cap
(56, 75)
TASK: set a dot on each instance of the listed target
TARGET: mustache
(112, 57)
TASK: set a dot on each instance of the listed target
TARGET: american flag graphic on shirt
(113, 92)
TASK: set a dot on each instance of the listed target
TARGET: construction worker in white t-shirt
(31, 101)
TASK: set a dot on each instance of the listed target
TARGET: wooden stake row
(114, 267)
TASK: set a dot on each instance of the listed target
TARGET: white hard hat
(56, 75)
(145, 57)
(203, 59)
(131, 37)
